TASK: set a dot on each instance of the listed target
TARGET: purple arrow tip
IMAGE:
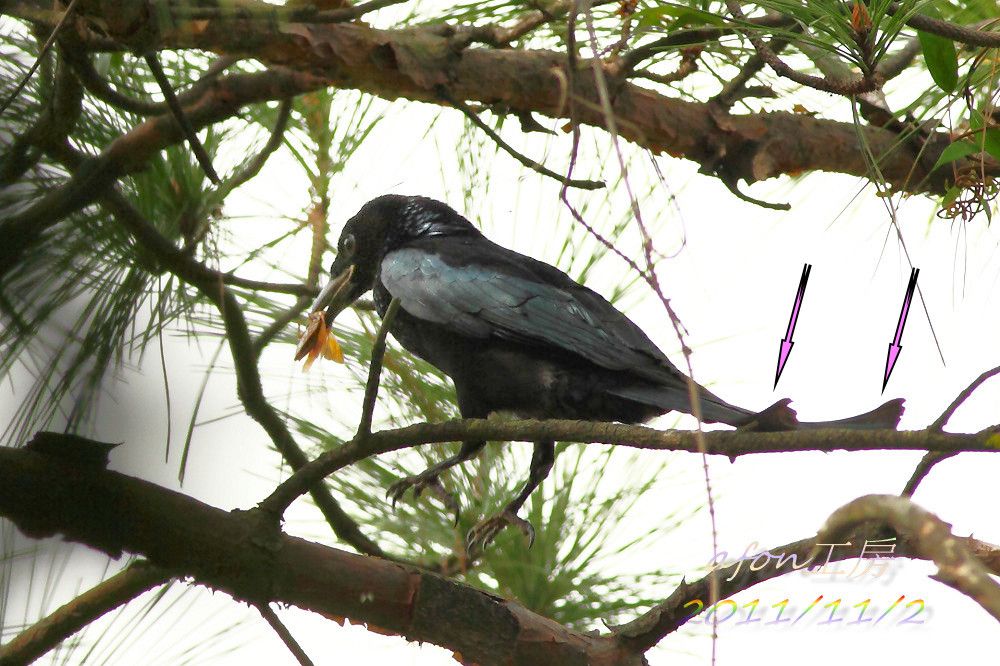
(783, 352)
(890, 362)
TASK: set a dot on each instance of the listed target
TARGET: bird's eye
(347, 244)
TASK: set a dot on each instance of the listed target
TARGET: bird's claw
(419, 483)
(482, 534)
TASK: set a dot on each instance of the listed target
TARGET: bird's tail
(779, 416)
(713, 408)
(885, 416)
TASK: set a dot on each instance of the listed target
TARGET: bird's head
(382, 225)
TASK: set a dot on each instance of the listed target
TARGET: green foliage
(955, 151)
(942, 60)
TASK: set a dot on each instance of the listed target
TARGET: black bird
(516, 335)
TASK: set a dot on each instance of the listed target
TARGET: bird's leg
(483, 533)
(429, 478)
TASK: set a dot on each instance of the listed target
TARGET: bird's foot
(420, 483)
(480, 536)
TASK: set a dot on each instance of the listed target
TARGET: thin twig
(687, 66)
(280, 322)
(278, 501)
(941, 421)
(932, 458)
(375, 370)
(41, 54)
(734, 189)
(851, 87)
(689, 37)
(253, 166)
(499, 36)
(102, 90)
(286, 636)
(896, 62)
(292, 288)
(47, 633)
(182, 120)
(731, 90)
(952, 31)
(526, 161)
(728, 443)
(922, 469)
(212, 72)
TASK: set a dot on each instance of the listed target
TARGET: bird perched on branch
(517, 335)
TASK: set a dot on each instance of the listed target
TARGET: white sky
(732, 284)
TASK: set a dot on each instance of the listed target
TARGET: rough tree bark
(423, 63)
(246, 555)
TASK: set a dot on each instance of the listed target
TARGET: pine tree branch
(929, 537)
(415, 62)
(729, 443)
(131, 151)
(47, 633)
(49, 42)
(245, 357)
(56, 121)
(841, 539)
(284, 634)
(244, 554)
(170, 97)
(526, 161)
(102, 90)
(840, 87)
(952, 31)
(375, 371)
(932, 458)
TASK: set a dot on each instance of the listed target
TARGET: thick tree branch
(244, 554)
(930, 539)
(248, 557)
(415, 63)
(736, 576)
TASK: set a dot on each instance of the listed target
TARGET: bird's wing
(482, 290)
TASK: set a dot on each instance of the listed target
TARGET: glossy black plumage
(516, 334)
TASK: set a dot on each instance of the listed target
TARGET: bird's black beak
(338, 293)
